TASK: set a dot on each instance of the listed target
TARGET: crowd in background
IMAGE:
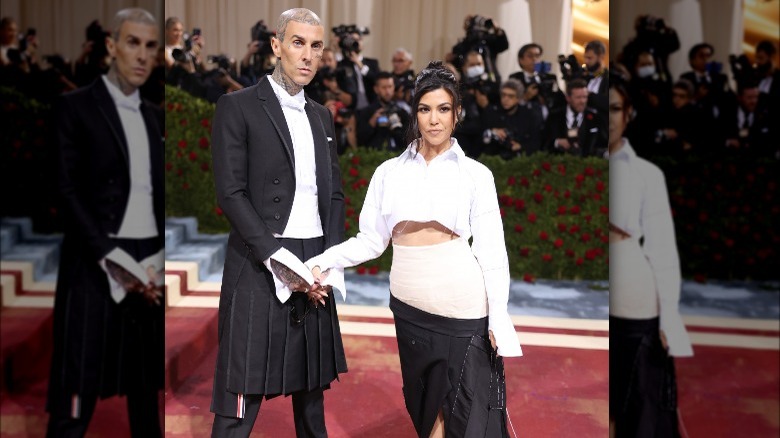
(701, 112)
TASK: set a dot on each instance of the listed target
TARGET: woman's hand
(664, 342)
(492, 340)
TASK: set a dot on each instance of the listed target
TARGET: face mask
(475, 70)
(594, 67)
(646, 71)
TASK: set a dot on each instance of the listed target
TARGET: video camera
(222, 61)
(347, 42)
(650, 24)
(260, 33)
(481, 83)
(479, 25)
(571, 69)
(390, 118)
(742, 69)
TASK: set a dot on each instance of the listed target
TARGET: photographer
(94, 60)
(382, 125)
(485, 37)
(19, 67)
(712, 95)
(403, 75)
(512, 128)
(598, 77)
(259, 59)
(475, 91)
(541, 86)
(576, 129)
(653, 36)
(174, 39)
(356, 73)
(768, 77)
(748, 128)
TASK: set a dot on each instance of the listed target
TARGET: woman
(449, 300)
(646, 329)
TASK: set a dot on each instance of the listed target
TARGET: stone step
(20, 243)
(184, 243)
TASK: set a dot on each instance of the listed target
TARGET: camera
(571, 69)
(347, 42)
(97, 35)
(741, 68)
(222, 61)
(480, 83)
(23, 39)
(649, 23)
(260, 33)
(479, 24)
(391, 118)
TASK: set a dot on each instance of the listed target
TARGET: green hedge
(554, 207)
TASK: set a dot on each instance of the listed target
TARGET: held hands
(664, 342)
(319, 292)
(315, 292)
(492, 340)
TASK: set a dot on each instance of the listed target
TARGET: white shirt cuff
(118, 293)
(676, 336)
(285, 257)
(335, 277)
(507, 342)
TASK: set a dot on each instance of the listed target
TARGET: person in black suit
(512, 129)
(598, 78)
(109, 339)
(712, 94)
(540, 87)
(748, 127)
(576, 129)
(768, 77)
(278, 182)
(357, 75)
(382, 125)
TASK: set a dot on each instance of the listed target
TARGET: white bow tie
(297, 102)
(130, 102)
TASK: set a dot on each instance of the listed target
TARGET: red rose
(575, 209)
(532, 217)
(558, 243)
(204, 167)
(562, 227)
(528, 278)
(569, 252)
(524, 182)
(193, 156)
(546, 166)
(204, 123)
(361, 270)
(183, 122)
(590, 254)
(373, 270)
(562, 169)
(168, 166)
(604, 209)
(185, 186)
(218, 211)
(543, 235)
(363, 182)
(347, 200)
(179, 172)
(504, 199)
(574, 228)
(579, 178)
(356, 186)
(519, 204)
(585, 237)
(203, 143)
(597, 197)
(503, 213)
(547, 188)
(353, 171)
(511, 180)
(547, 257)
(170, 107)
(519, 228)
(182, 144)
(537, 172)
(524, 252)
(579, 261)
(566, 194)
(356, 160)
(588, 218)
(600, 186)
(562, 210)
(605, 239)
(589, 171)
(350, 212)
(346, 225)
(538, 198)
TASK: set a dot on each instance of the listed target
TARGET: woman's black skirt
(642, 384)
(448, 365)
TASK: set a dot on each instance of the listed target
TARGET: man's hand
(500, 133)
(318, 293)
(516, 146)
(355, 58)
(289, 277)
(372, 121)
(564, 143)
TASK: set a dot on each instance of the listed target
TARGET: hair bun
(436, 69)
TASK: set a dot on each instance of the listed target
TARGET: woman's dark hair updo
(433, 77)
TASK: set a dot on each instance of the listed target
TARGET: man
(403, 75)
(512, 129)
(575, 129)
(382, 125)
(768, 76)
(748, 128)
(540, 87)
(475, 100)
(598, 85)
(484, 37)
(357, 75)
(686, 128)
(174, 32)
(108, 335)
(712, 94)
(278, 182)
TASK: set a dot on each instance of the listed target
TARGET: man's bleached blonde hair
(133, 15)
(300, 15)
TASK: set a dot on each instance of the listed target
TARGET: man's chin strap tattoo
(285, 81)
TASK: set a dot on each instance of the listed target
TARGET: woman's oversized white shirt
(457, 192)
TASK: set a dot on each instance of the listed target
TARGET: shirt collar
(625, 153)
(133, 101)
(296, 102)
(455, 152)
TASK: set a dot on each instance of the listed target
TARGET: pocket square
(594, 129)
(330, 139)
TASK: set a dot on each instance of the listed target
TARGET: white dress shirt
(639, 205)
(454, 190)
(138, 221)
(304, 221)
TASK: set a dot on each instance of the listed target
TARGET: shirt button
(277, 216)
(413, 341)
(276, 199)
(276, 180)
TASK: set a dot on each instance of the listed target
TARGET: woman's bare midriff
(412, 233)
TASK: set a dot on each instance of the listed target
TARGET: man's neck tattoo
(123, 85)
(285, 81)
